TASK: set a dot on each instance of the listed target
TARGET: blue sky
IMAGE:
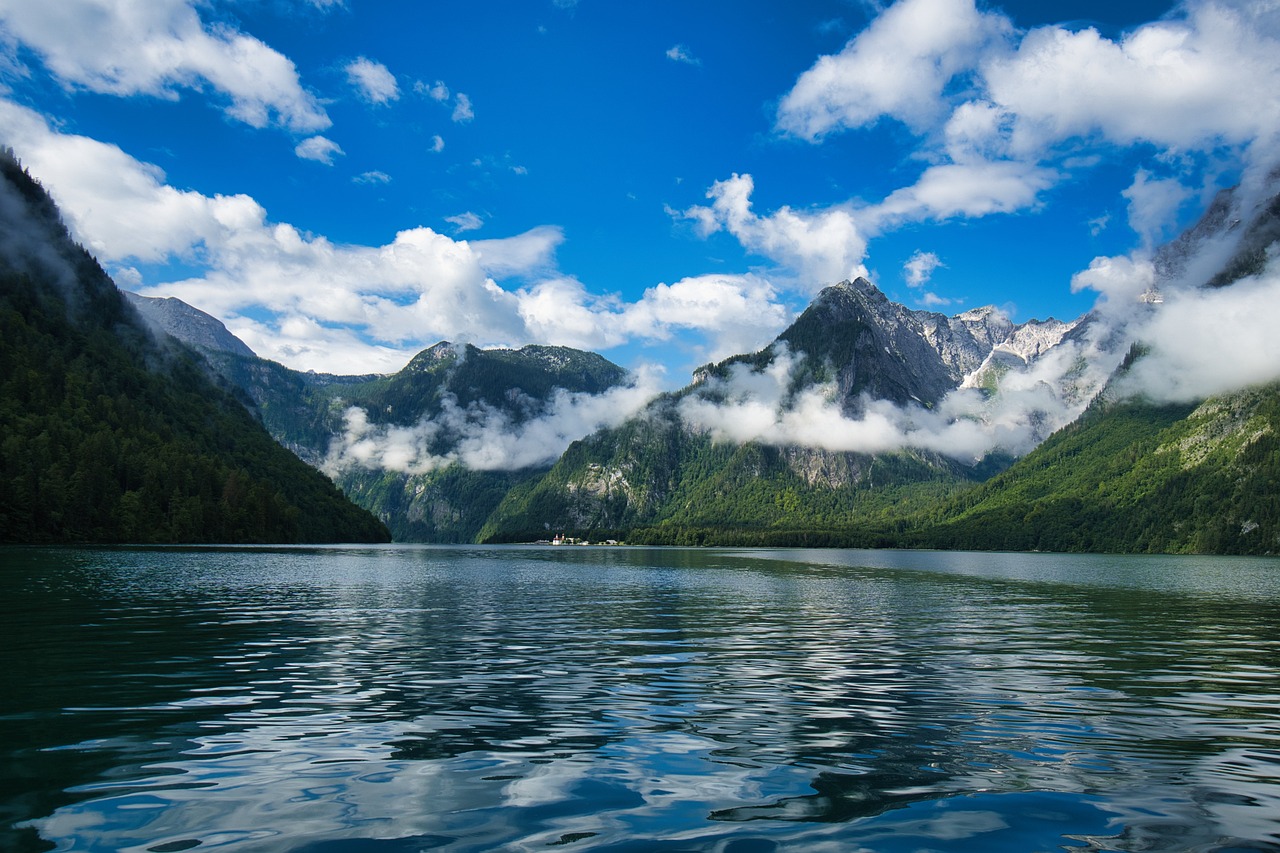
(346, 183)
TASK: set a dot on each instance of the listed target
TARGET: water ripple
(407, 699)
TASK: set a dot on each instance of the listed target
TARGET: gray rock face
(890, 352)
(189, 325)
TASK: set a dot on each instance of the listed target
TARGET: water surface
(397, 699)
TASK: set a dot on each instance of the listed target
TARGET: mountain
(428, 448)
(864, 423)
(1088, 468)
(1134, 475)
(113, 435)
(189, 325)
(678, 466)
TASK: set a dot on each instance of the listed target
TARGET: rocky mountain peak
(188, 324)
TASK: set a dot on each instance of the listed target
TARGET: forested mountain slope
(112, 436)
(411, 446)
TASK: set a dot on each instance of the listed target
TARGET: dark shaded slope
(109, 436)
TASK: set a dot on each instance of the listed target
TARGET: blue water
(403, 698)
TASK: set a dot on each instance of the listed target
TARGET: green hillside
(1133, 477)
(109, 436)
(655, 480)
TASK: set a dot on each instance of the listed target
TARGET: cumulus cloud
(482, 437)
(372, 177)
(372, 80)
(962, 190)
(462, 110)
(740, 313)
(158, 48)
(822, 246)
(437, 144)
(310, 303)
(1001, 115)
(1119, 280)
(899, 66)
(1186, 82)
(318, 148)
(919, 268)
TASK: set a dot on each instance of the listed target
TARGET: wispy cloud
(372, 80)
(468, 221)
(318, 148)
(482, 437)
(680, 53)
(373, 177)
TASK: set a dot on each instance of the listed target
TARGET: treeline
(1126, 478)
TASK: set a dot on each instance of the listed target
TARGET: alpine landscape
(863, 423)
(833, 425)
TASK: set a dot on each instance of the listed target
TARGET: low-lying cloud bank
(482, 437)
(966, 425)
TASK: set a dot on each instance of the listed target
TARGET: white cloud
(919, 268)
(482, 437)
(314, 304)
(437, 91)
(373, 80)
(680, 53)
(962, 189)
(530, 252)
(1153, 205)
(437, 144)
(468, 221)
(119, 47)
(1001, 116)
(739, 313)
(1189, 83)
(933, 300)
(821, 247)
(318, 148)
(966, 425)
(462, 111)
(373, 177)
(899, 66)
(1120, 280)
(1212, 341)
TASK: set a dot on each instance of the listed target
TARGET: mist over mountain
(433, 448)
(864, 421)
(864, 415)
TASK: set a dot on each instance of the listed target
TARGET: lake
(407, 698)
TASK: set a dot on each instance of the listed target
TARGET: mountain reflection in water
(411, 698)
